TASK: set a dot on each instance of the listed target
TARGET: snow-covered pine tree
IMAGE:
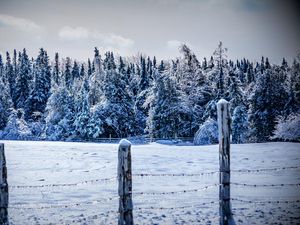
(5, 103)
(234, 93)
(68, 74)
(141, 110)
(208, 133)
(291, 106)
(75, 71)
(196, 92)
(89, 71)
(288, 129)
(22, 88)
(2, 72)
(250, 74)
(239, 125)
(164, 116)
(40, 93)
(82, 111)
(82, 72)
(97, 80)
(218, 73)
(56, 70)
(266, 103)
(117, 105)
(60, 114)
(16, 127)
(295, 78)
(9, 74)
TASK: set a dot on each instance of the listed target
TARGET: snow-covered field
(85, 200)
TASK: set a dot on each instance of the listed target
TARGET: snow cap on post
(124, 143)
(222, 101)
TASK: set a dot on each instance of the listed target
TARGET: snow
(125, 143)
(42, 163)
(222, 102)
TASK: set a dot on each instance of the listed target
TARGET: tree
(96, 80)
(89, 72)
(207, 133)
(56, 70)
(164, 115)
(143, 85)
(75, 71)
(82, 71)
(266, 103)
(60, 113)
(23, 81)
(116, 106)
(234, 93)
(5, 104)
(2, 72)
(16, 128)
(239, 125)
(83, 111)
(40, 93)
(10, 76)
(193, 85)
(295, 79)
(288, 129)
(68, 74)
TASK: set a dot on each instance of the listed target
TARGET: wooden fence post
(3, 188)
(224, 121)
(125, 183)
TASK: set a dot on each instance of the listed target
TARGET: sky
(248, 28)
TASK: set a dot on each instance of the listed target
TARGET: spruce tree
(235, 94)
(2, 78)
(42, 83)
(56, 70)
(82, 111)
(68, 74)
(75, 71)
(266, 103)
(97, 80)
(5, 104)
(239, 125)
(10, 76)
(89, 72)
(82, 71)
(23, 81)
(164, 116)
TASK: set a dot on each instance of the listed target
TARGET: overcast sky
(249, 28)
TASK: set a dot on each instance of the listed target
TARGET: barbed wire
(176, 192)
(211, 172)
(266, 169)
(70, 205)
(64, 185)
(25, 206)
(263, 185)
(266, 201)
(176, 207)
(174, 174)
(164, 175)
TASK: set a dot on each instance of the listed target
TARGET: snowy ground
(95, 202)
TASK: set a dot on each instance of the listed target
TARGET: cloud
(80, 33)
(69, 33)
(175, 44)
(18, 23)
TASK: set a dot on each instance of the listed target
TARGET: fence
(124, 178)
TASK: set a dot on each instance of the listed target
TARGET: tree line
(109, 96)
